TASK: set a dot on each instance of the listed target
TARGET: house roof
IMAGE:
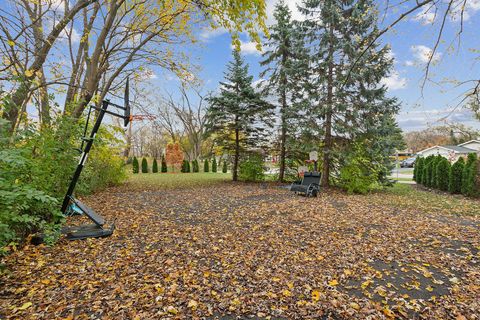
(456, 149)
(462, 144)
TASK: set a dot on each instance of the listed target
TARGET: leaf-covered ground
(226, 250)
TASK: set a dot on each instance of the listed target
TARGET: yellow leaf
(172, 310)
(26, 305)
(28, 73)
(429, 288)
(290, 285)
(286, 293)
(192, 304)
(45, 281)
(11, 43)
(366, 284)
(315, 295)
(354, 305)
(333, 282)
(389, 313)
(347, 272)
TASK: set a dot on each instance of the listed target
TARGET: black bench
(309, 185)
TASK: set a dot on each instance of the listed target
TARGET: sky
(411, 42)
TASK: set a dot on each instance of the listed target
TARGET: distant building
(452, 153)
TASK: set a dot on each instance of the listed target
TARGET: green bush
(427, 171)
(469, 174)
(214, 165)
(455, 176)
(206, 166)
(144, 165)
(434, 178)
(185, 166)
(442, 170)
(135, 166)
(155, 166)
(224, 167)
(188, 169)
(251, 169)
(195, 166)
(164, 165)
(418, 170)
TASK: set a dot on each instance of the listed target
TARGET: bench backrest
(311, 177)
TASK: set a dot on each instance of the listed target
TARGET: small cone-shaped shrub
(195, 165)
(188, 167)
(135, 165)
(442, 170)
(427, 171)
(164, 165)
(224, 167)
(469, 175)
(214, 165)
(418, 170)
(434, 178)
(206, 166)
(144, 166)
(455, 176)
(155, 166)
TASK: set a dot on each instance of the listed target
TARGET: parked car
(408, 163)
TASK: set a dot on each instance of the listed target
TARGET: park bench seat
(309, 185)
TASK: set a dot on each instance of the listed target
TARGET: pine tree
(144, 166)
(284, 59)
(469, 175)
(155, 166)
(346, 103)
(455, 176)
(164, 165)
(214, 165)
(135, 166)
(206, 166)
(224, 167)
(234, 115)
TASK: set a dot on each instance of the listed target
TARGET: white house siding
(475, 145)
(449, 154)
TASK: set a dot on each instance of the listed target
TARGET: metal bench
(309, 185)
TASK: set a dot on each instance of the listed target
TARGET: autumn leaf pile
(252, 250)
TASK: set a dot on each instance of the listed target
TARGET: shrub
(418, 170)
(427, 171)
(164, 165)
(155, 166)
(144, 166)
(252, 169)
(188, 167)
(206, 166)
(185, 166)
(214, 165)
(195, 166)
(469, 176)
(224, 167)
(135, 166)
(455, 176)
(434, 177)
(442, 170)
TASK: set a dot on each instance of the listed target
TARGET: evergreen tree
(418, 170)
(195, 165)
(214, 165)
(346, 103)
(442, 170)
(285, 58)
(455, 176)
(164, 165)
(234, 115)
(155, 166)
(188, 166)
(434, 177)
(183, 169)
(469, 175)
(427, 171)
(135, 166)
(224, 167)
(206, 166)
(144, 166)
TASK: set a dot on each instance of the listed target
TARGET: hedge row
(186, 167)
(436, 172)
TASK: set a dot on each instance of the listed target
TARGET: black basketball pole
(84, 156)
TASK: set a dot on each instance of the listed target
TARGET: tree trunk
(237, 156)
(283, 138)
(327, 147)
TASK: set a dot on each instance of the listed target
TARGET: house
(452, 153)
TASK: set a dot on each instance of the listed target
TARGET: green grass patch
(175, 180)
(413, 197)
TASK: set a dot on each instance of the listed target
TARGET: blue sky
(410, 41)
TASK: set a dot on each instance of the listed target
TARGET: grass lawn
(189, 246)
(175, 180)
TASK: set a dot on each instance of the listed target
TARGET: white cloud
(426, 16)
(208, 33)
(292, 5)
(394, 81)
(423, 53)
(471, 7)
(249, 47)
(421, 119)
(409, 63)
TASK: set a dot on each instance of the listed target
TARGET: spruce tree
(164, 165)
(144, 166)
(214, 165)
(455, 176)
(135, 166)
(238, 116)
(224, 167)
(155, 166)
(343, 83)
(206, 166)
(285, 61)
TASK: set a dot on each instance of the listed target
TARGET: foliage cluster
(252, 168)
